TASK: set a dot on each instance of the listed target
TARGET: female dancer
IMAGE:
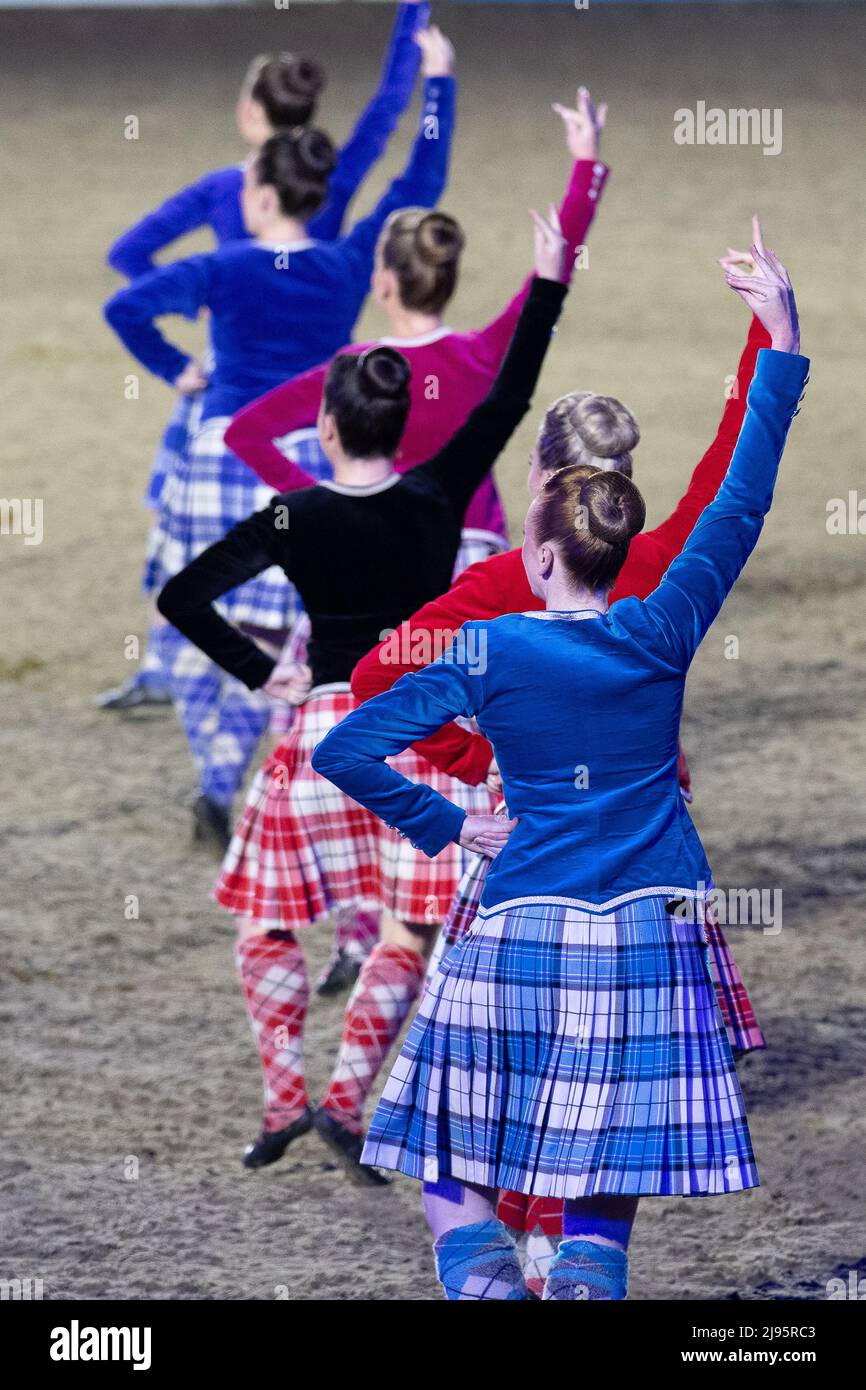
(417, 265)
(579, 428)
(571, 1044)
(278, 93)
(301, 848)
(277, 302)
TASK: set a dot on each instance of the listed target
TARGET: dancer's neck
(561, 597)
(411, 323)
(349, 472)
(282, 231)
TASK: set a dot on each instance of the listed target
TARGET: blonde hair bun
(438, 239)
(585, 428)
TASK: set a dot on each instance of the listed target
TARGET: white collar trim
(348, 490)
(567, 615)
(304, 244)
(421, 340)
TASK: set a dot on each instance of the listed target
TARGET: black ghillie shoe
(271, 1146)
(133, 694)
(210, 823)
(339, 975)
(347, 1149)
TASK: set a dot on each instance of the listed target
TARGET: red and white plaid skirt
(302, 848)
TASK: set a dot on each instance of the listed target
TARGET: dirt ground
(130, 1078)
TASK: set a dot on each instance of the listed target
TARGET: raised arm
(693, 590)
(583, 128)
(423, 180)
(377, 122)
(353, 754)
(289, 407)
(132, 254)
(187, 600)
(181, 288)
(651, 552)
(468, 457)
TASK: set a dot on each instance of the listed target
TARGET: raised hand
(437, 53)
(486, 835)
(583, 125)
(760, 279)
(551, 247)
(290, 681)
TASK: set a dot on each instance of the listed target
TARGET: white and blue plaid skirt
(562, 1051)
(209, 490)
(179, 433)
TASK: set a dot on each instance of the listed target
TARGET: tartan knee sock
(479, 1262)
(538, 1255)
(274, 977)
(389, 982)
(583, 1269)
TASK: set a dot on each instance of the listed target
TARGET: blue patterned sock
(479, 1262)
(583, 1269)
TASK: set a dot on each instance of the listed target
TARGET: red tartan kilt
(302, 848)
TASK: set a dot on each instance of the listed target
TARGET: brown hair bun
(614, 508)
(423, 249)
(439, 239)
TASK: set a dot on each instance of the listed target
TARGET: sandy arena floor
(128, 1039)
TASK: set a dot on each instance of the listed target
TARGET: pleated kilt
(302, 848)
(562, 1051)
(179, 432)
(744, 1031)
(208, 492)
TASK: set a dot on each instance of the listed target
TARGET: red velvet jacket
(499, 585)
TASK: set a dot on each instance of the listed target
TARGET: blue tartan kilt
(209, 491)
(564, 1052)
(179, 432)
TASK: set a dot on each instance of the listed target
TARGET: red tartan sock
(274, 977)
(389, 983)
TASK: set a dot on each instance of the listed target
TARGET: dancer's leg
(591, 1262)
(273, 974)
(388, 985)
(476, 1258)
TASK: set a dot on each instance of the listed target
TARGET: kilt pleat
(302, 848)
(208, 491)
(562, 1052)
(179, 432)
(744, 1032)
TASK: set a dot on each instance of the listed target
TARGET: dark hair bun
(615, 509)
(297, 166)
(385, 373)
(288, 88)
(304, 76)
(438, 239)
(316, 154)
